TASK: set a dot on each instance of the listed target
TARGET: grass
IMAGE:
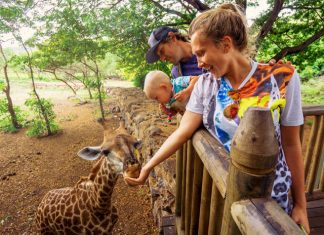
(313, 91)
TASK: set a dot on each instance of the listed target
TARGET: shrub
(37, 126)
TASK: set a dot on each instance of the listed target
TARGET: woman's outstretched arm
(189, 123)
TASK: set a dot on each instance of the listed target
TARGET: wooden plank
(216, 212)
(315, 212)
(214, 157)
(310, 110)
(271, 219)
(316, 222)
(310, 149)
(317, 231)
(183, 190)
(321, 185)
(318, 147)
(179, 166)
(315, 204)
(196, 195)
(205, 203)
(180, 231)
(276, 216)
(301, 133)
(316, 195)
(189, 182)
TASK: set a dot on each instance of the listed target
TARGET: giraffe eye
(105, 152)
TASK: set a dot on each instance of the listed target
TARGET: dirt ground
(30, 167)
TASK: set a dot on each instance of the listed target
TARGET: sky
(251, 12)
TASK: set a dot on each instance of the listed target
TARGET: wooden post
(254, 153)
(318, 147)
(189, 180)
(196, 194)
(179, 165)
(183, 189)
(310, 148)
(216, 212)
(301, 133)
(205, 203)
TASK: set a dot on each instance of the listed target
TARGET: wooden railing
(211, 185)
(313, 157)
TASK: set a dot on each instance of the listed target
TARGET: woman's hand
(299, 215)
(145, 172)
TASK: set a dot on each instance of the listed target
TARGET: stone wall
(146, 122)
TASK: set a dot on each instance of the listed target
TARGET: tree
(9, 13)
(292, 28)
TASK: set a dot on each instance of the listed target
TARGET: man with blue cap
(167, 44)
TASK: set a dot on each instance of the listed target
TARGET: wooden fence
(219, 194)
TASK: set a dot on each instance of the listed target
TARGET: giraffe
(86, 208)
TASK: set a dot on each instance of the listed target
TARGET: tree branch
(291, 50)
(168, 10)
(198, 5)
(271, 19)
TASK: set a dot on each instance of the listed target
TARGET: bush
(37, 126)
(5, 118)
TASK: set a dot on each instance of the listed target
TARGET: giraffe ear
(90, 153)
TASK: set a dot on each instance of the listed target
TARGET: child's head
(157, 86)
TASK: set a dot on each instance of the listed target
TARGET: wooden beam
(196, 194)
(318, 147)
(263, 216)
(216, 212)
(214, 157)
(205, 203)
(179, 165)
(311, 110)
(183, 189)
(189, 182)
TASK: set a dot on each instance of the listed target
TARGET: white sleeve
(195, 103)
(292, 114)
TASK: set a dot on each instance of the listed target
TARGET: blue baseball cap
(156, 37)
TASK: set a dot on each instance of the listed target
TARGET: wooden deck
(315, 211)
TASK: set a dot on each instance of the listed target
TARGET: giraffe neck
(104, 182)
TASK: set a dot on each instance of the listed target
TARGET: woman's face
(209, 55)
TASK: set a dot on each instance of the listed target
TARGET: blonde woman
(235, 82)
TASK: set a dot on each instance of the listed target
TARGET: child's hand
(182, 95)
(299, 215)
(167, 111)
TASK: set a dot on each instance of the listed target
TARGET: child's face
(162, 94)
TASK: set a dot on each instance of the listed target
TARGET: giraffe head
(121, 150)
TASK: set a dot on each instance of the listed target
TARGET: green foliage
(313, 91)
(298, 21)
(5, 118)
(37, 125)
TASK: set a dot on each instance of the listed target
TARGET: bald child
(173, 94)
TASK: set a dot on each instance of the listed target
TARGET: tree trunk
(99, 92)
(7, 92)
(65, 82)
(10, 104)
(48, 127)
